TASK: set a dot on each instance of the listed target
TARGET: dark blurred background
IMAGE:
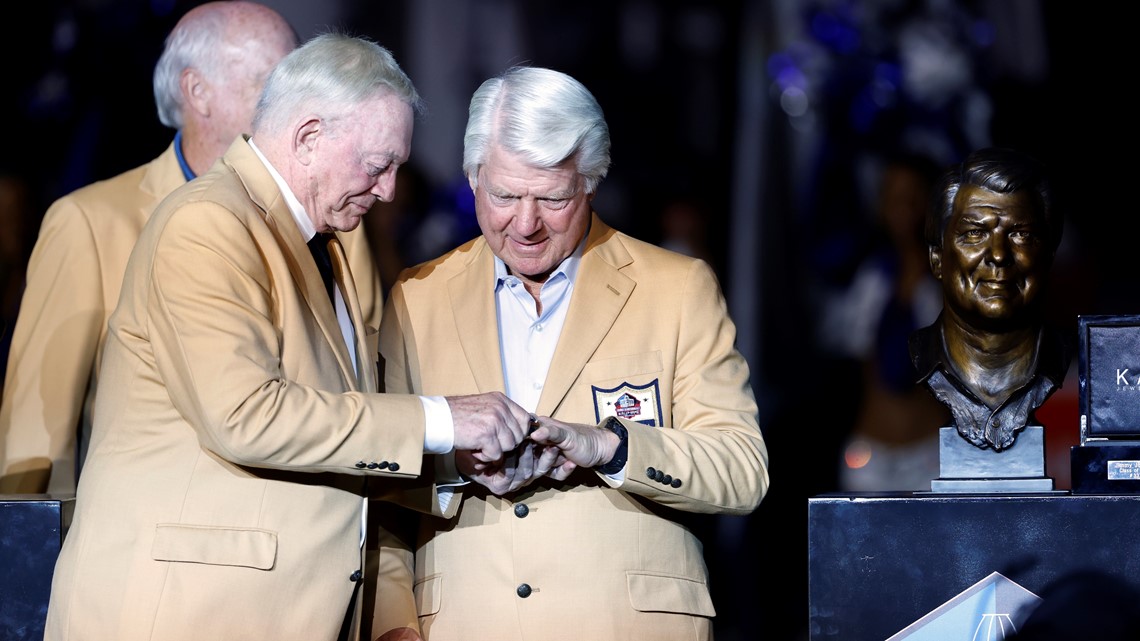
(753, 134)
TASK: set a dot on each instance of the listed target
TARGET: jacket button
(373, 465)
(521, 510)
(668, 480)
(523, 590)
(659, 476)
(392, 467)
(383, 465)
(355, 576)
(361, 464)
(676, 483)
(650, 472)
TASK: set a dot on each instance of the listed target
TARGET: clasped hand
(551, 448)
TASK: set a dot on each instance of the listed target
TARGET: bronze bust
(992, 234)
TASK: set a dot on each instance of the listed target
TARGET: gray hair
(192, 43)
(332, 74)
(196, 42)
(545, 116)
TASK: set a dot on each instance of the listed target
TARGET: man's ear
(306, 135)
(935, 256)
(195, 91)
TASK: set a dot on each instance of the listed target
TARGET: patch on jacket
(641, 403)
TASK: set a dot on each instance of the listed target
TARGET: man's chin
(1001, 318)
(349, 223)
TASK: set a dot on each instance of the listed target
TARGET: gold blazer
(647, 338)
(224, 492)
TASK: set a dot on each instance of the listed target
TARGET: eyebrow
(388, 157)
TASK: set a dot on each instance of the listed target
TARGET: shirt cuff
(449, 481)
(439, 428)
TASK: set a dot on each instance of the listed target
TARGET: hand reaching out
(578, 445)
(487, 425)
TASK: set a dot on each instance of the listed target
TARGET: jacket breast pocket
(627, 368)
(627, 387)
(243, 547)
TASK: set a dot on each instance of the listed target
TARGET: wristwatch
(617, 463)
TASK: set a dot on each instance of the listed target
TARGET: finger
(547, 460)
(510, 438)
(521, 423)
(494, 449)
(562, 472)
(549, 434)
(480, 457)
(526, 461)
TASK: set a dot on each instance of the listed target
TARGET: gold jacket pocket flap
(244, 547)
(659, 593)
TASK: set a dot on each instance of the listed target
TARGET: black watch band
(617, 463)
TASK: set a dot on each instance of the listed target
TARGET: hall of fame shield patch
(641, 403)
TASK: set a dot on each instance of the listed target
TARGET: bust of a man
(991, 236)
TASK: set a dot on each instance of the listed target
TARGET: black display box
(1107, 461)
(32, 527)
(1109, 377)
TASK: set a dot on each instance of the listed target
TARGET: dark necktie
(319, 246)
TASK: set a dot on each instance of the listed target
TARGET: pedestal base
(1106, 467)
(982, 486)
(964, 468)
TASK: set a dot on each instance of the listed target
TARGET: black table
(878, 563)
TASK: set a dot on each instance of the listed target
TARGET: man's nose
(528, 219)
(385, 187)
(998, 247)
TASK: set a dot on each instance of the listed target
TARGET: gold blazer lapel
(472, 297)
(263, 191)
(599, 296)
(365, 363)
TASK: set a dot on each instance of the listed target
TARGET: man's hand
(578, 446)
(487, 424)
(514, 471)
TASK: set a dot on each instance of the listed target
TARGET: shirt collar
(187, 173)
(927, 354)
(300, 216)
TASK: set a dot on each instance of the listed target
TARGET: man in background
(206, 85)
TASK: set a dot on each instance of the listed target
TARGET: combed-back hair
(545, 116)
(331, 74)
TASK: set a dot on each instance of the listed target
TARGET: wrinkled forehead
(380, 125)
(514, 173)
(974, 200)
